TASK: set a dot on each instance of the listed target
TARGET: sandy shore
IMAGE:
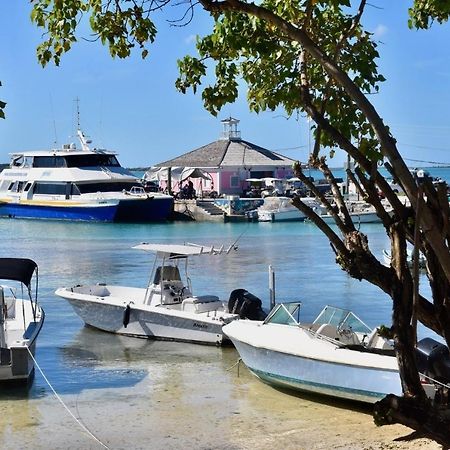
(191, 400)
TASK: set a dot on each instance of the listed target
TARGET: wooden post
(169, 180)
(271, 287)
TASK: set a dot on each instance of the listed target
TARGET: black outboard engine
(247, 305)
(433, 359)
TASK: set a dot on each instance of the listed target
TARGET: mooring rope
(64, 405)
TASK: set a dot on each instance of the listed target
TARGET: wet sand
(186, 397)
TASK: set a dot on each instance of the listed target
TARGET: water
(114, 381)
(73, 253)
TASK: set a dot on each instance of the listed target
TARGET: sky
(132, 107)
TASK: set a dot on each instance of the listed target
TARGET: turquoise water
(72, 253)
(76, 358)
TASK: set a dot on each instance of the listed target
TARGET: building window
(261, 174)
(234, 181)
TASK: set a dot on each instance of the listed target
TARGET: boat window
(50, 188)
(168, 273)
(49, 161)
(17, 161)
(27, 187)
(92, 160)
(4, 185)
(16, 186)
(87, 188)
(28, 162)
(342, 319)
(285, 314)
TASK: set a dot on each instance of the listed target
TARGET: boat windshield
(285, 314)
(341, 319)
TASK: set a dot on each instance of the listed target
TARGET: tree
(313, 57)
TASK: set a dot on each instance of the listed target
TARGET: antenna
(85, 141)
(77, 100)
(54, 121)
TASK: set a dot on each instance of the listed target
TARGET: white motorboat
(337, 355)
(281, 209)
(73, 184)
(167, 308)
(360, 212)
(21, 319)
(387, 257)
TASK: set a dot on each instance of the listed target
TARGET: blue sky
(131, 106)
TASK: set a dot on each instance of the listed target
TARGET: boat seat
(346, 337)
(202, 304)
(376, 341)
(204, 299)
(327, 330)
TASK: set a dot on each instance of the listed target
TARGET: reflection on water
(138, 393)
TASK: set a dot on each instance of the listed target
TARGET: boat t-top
(77, 184)
(167, 307)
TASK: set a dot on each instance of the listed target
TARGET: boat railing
(136, 190)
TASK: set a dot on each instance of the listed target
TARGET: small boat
(77, 184)
(337, 355)
(387, 257)
(167, 308)
(360, 212)
(281, 209)
(21, 319)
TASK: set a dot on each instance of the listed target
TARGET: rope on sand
(64, 405)
(237, 363)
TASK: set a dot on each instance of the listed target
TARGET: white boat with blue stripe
(77, 184)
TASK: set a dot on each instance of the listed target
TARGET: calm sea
(78, 360)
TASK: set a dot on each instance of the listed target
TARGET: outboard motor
(433, 359)
(247, 305)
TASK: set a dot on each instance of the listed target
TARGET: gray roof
(229, 153)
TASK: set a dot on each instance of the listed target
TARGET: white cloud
(380, 31)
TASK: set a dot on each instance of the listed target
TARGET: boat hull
(289, 369)
(16, 363)
(78, 213)
(281, 216)
(148, 322)
(148, 209)
(364, 217)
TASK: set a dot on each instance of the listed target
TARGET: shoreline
(191, 399)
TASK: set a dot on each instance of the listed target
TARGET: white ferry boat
(73, 184)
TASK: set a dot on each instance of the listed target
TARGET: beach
(197, 398)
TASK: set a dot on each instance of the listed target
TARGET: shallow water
(132, 391)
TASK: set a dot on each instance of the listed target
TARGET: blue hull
(151, 209)
(146, 210)
(97, 214)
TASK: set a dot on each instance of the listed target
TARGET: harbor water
(135, 393)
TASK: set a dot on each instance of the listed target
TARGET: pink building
(227, 163)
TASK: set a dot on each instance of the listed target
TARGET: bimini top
(17, 269)
(180, 250)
